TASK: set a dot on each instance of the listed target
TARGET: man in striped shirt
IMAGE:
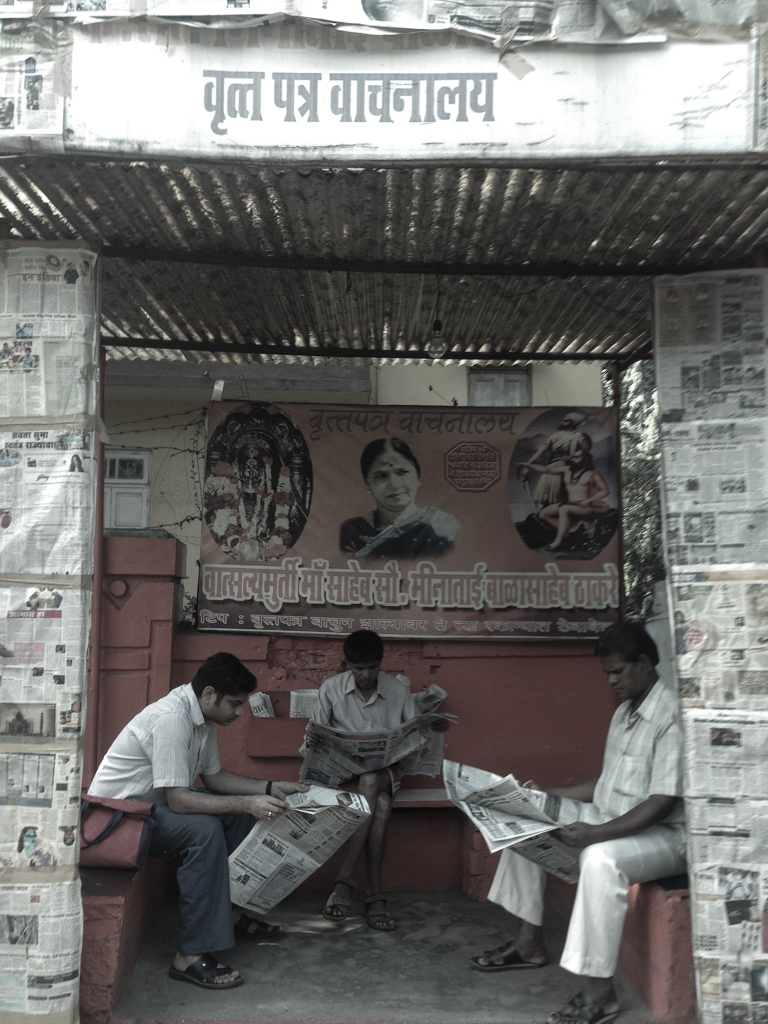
(156, 758)
(631, 829)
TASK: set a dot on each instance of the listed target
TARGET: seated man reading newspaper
(156, 758)
(630, 829)
(365, 700)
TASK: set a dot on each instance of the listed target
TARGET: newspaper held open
(333, 757)
(509, 815)
(277, 855)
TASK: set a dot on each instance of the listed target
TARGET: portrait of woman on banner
(397, 527)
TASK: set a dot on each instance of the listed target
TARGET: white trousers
(606, 869)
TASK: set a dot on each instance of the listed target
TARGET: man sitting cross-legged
(631, 829)
(364, 699)
(157, 758)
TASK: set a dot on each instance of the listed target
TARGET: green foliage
(641, 486)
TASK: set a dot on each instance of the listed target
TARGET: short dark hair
(226, 674)
(362, 646)
(376, 448)
(629, 640)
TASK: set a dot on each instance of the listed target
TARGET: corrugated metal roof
(590, 217)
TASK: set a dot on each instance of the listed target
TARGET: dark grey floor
(319, 971)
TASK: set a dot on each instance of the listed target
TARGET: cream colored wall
(409, 385)
(170, 423)
(567, 384)
(551, 384)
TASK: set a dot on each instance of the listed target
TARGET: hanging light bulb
(437, 346)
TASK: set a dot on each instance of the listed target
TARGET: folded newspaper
(509, 815)
(278, 855)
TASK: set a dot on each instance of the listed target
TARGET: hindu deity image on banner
(415, 522)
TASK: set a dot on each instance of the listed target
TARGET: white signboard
(302, 93)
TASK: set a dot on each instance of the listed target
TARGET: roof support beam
(339, 352)
(554, 270)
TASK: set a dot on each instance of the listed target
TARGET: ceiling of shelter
(568, 253)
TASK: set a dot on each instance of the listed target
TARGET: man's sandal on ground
(381, 919)
(337, 907)
(251, 928)
(583, 1010)
(203, 973)
(503, 958)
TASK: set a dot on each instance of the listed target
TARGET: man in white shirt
(157, 758)
(631, 829)
(365, 699)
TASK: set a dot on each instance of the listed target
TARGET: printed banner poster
(414, 522)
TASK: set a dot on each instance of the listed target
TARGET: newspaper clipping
(333, 757)
(42, 663)
(47, 479)
(720, 636)
(726, 753)
(277, 855)
(716, 497)
(508, 815)
(31, 99)
(727, 829)
(709, 351)
(40, 929)
(39, 805)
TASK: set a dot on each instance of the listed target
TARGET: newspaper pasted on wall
(711, 370)
(43, 654)
(47, 499)
(278, 855)
(509, 815)
(41, 962)
(48, 359)
(721, 636)
(48, 379)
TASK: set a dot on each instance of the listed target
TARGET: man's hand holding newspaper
(524, 817)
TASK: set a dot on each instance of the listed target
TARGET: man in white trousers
(631, 829)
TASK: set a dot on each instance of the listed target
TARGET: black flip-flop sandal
(250, 928)
(334, 901)
(586, 1011)
(509, 957)
(203, 973)
(379, 920)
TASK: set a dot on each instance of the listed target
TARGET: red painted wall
(539, 709)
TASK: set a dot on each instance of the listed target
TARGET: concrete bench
(119, 910)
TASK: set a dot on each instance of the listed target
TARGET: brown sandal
(337, 907)
(381, 920)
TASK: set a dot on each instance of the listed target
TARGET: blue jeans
(204, 842)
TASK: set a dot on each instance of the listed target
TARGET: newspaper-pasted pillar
(48, 372)
(711, 373)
